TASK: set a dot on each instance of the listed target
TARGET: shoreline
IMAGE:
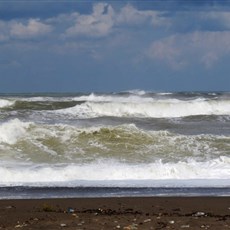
(116, 213)
(27, 192)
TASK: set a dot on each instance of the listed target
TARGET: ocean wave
(137, 92)
(115, 139)
(122, 98)
(28, 141)
(141, 104)
(154, 109)
(104, 171)
(12, 130)
(6, 103)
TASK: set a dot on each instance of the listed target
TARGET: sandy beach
(117, 213)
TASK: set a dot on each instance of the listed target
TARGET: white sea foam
(111, 171)
(44, 99)
(137, 92)
(37, 99)
(153, 108)
(61, 142)
(6, 103)
(50, 146)
(13, 130)
(113, 98)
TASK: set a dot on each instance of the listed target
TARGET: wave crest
(6, 103)
(154, 109)
(102, 172)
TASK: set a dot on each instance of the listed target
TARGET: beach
(117, 213)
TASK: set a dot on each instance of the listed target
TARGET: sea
(131, 143)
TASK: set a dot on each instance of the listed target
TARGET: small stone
(118, 226)
(171, 221)
(9, 207)
(147, 220)
(185, 226)
(199, 214)
(63, 225)
(71, 210)
(130, 227)
(20, 225)
(204, 226)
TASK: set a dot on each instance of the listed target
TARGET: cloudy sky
(85, 46)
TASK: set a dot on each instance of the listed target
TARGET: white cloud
(16, 29)
(104, 19)
(32, 28)
(130, 15)
(97, 24)
(179, 50)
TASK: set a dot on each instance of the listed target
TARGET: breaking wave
(5, 103)
(117, 139)
(102, 172)
(42, 143)
(153, 109)
(138, 104)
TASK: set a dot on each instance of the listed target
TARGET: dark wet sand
(117, 213)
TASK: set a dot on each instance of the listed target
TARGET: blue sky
(104, 46)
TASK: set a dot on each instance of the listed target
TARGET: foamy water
(134, 106)
(129, 139)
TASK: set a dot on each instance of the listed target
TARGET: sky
(113, 46)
